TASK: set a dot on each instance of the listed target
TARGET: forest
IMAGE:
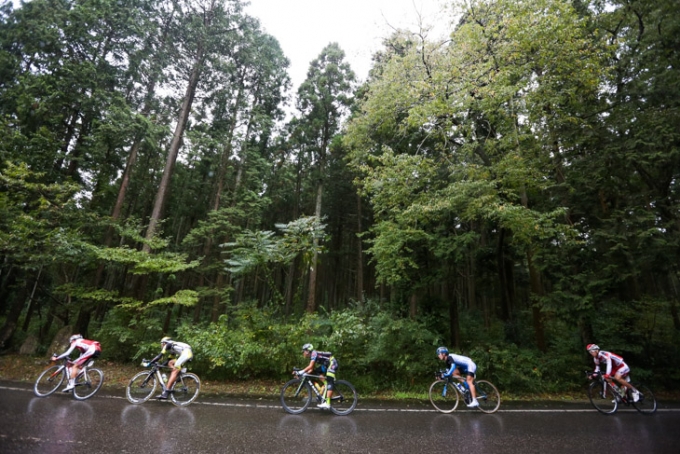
(509, 190)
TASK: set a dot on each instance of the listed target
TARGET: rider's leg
(621, 380)
(330, 381)
(471, 384)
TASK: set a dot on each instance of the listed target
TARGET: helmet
(307, 347)
(75, 337)
(166, 340)
(443, 350)
(592, 347)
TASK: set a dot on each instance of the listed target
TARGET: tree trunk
(537, 292)
(506, 290)
(175, 144)
(217, 300)
(8, 329)
(31, 305)
(454, 319)
(413, 306)
(311, 298)
(360, 256)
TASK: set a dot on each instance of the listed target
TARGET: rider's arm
(451, 368)
(308, 369)
(609, 364)
(66, 353)
(158, 356)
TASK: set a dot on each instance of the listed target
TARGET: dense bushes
(378, 351)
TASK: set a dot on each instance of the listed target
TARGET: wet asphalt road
(107, 423)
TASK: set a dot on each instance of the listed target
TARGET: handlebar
(307, 375)
(593, 375)
(148, 363)
(66, 361)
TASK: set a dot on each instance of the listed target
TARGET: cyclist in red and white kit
(88, 349)
(616, 368)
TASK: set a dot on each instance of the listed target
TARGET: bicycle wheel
(186, 389)
(296, 396)
(87, 386)
(646, 404)
(444, 396)
(49, 381)
(141, 387)
(344, 399)
(488, 396)
(602, 397)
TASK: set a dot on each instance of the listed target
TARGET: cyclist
(457, 364)
(323, 364)
(183, 353)
(88, 349)
(616, 368)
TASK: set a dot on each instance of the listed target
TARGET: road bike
(445, 393)
(88, 380)
(143, 385)
(297, 394)
(606, 395)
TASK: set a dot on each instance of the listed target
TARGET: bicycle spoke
(296, 396)
(88, 384)
(602, 398)
(488, 397)
(344, 399)
(141, 387)
(646, 403)
(49, 381)
(444, 396)
(186, 389)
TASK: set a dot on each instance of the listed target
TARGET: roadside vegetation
(510, 190)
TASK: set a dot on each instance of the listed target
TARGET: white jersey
(465, 364)
(176, 348)
(612, 361)
(86, 347)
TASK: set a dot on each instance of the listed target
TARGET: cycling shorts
(622, 369)
(89, 354)
(186, 355)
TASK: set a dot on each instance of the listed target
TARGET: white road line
(398, 410)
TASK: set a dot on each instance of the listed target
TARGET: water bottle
(444, 391)
(165, 378)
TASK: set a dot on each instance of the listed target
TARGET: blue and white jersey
(465, 364)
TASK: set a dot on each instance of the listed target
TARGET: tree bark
(311, 298)
(360, 256)
(8, 329)
(185, 111)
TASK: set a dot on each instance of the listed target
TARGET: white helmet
(75, 337)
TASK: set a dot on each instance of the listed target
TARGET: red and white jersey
(613, 361)
(87, 347)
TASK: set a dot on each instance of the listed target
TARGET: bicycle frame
(312, 379)
(616, 393)
(156, 371)
(460, 384)
(65, 368)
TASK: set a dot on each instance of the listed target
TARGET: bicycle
(606, 396)
(88, 380)
(445, 394)
(142, 386)
(297, 394)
